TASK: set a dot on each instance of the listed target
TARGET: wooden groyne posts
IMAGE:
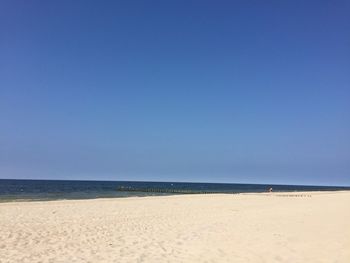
(163, 190)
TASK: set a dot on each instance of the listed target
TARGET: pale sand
(188, 228)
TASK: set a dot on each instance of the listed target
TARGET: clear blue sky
(210, 91)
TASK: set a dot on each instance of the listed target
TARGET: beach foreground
(277, 227)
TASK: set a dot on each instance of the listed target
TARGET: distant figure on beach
(270, 190)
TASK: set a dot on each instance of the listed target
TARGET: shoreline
(277, 193)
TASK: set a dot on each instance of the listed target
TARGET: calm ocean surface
(11, 190)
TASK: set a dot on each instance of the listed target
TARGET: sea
(44, 190)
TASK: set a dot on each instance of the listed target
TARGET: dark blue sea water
(11, 190)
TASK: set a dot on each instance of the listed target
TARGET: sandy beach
(277, 227)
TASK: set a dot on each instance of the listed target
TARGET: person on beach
(270, 190)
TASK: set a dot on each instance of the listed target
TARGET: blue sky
(208, 91)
